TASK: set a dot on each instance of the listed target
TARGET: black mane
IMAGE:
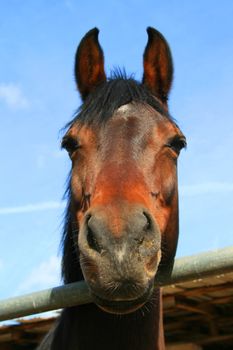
(119, 90)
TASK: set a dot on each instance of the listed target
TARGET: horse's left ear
(158, 67)
(89, 63)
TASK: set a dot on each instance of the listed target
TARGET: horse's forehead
(147, 117)
(131, 119)
(141, 119)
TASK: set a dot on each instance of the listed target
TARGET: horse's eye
(70, 144)
(177, 143)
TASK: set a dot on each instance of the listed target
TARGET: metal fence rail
(185, 269)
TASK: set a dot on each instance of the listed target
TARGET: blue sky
(38, 40)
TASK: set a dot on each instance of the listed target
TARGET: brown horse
(121, 224)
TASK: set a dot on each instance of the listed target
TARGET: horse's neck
(88, 328)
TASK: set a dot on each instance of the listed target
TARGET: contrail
(29, 208)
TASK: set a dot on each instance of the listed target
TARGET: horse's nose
(104, 232)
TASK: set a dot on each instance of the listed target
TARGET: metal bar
(202, 265)
(185, 269)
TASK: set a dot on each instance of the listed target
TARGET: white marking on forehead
(124, 108)
(120, 253)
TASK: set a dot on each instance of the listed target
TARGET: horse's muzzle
(119, 256)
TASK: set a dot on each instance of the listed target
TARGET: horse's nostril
(92, 239)
(139, 240)
(148, 225)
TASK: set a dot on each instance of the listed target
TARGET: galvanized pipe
(185, 269)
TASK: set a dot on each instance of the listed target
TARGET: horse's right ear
(89, 63)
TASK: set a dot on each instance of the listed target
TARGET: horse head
(123, 206)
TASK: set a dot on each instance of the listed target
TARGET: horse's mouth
(122, 306)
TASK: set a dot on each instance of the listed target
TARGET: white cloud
(28, 208)
(46, 275)
(13, 96)
(206, 188)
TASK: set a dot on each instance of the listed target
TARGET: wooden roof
(24, 334)
(200, 312)
(197, 315)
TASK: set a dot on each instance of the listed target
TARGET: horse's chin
(122, 306)
(118, 311)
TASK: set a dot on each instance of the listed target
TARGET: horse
(121, 224)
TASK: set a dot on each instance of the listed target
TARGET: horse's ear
(89, 63)
(158, 67)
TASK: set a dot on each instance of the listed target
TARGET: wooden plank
(216, 339)
(184, 346)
